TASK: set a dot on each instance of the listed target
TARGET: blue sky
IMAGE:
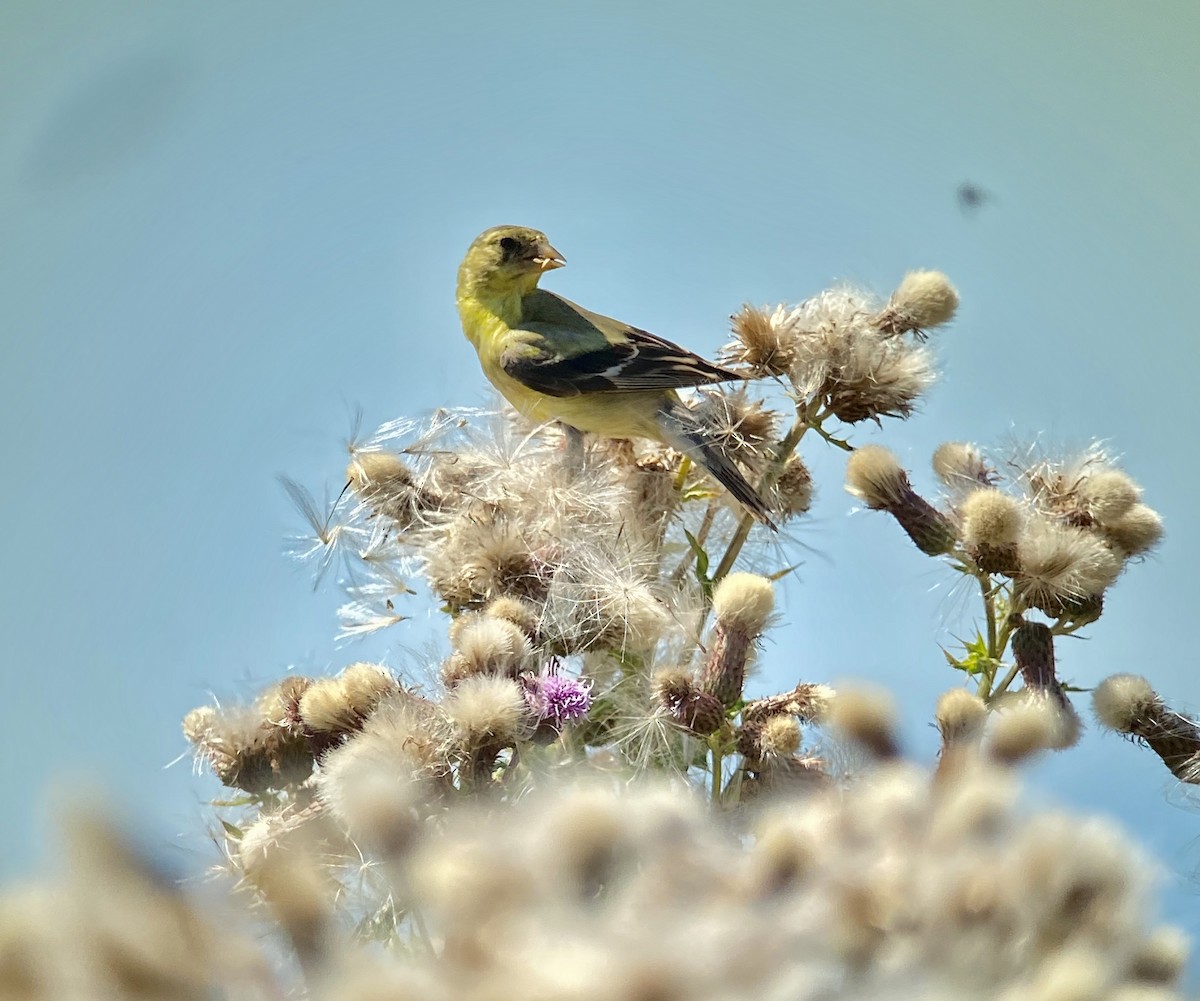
(227, 226)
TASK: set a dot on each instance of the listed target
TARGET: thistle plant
(587, 797)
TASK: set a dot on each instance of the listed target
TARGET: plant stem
(718, 759)
(782, 452)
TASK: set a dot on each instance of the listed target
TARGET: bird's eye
(508, 244)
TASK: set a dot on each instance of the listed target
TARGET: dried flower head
(246, 750)
(388, 486)
(742, 603)
(486, 708)
(1062, 567)
(486, 645)
(923, 300)
(867, 717)
(990, 525)
(792, 494)
(960, 716)
(961, 466)
(1135, 532)
(875, 477)
(739, 424)
(1123, 701)
(764, 340)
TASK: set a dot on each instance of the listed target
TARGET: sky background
(225, 227)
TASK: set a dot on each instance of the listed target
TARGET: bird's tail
(686, 431)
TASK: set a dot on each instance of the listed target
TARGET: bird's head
(507, 259)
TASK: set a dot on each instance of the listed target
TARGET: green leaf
(976, 660)
(235, 832)
(706, 583)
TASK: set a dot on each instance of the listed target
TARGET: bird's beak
(548, 258)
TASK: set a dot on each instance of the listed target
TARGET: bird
(554, 360)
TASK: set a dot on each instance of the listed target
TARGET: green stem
(718, 759)
(783, 452)
(988, 591)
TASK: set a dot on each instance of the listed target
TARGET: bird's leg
(575, 454)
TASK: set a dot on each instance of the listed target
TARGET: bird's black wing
(578, 351)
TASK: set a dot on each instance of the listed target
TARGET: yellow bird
(554, 360)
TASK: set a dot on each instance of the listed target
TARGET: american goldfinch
(554, 360)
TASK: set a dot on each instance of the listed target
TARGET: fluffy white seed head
(743, 601)
(1136, 532)
(1023, 728)
(1122, 701)
(874, 475)
(959, 465)
(1061, 563)
(522, 614)
(1160, 958)
(866, 716)
(960, 715)
(1108, 494)
(364, 684)
(926, 299)
(765, 339)
(780, 737)
(990, 517)
(486, 645)
(487, 708)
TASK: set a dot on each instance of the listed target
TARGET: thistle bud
(806, 701)
(1033, 650)
(694, 710)
(741, 604)
(875, 477)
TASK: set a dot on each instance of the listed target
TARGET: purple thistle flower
(561, 699)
